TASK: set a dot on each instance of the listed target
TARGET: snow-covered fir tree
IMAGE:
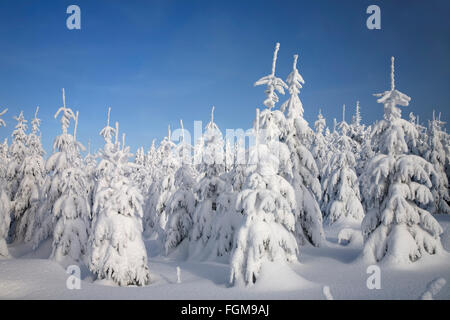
(17, 154)
(303, 174)
(27, 197)
(90, 165)
(237, 175)
(319, 148)
(5, 220)
(366, 153)
(341, 197)
(396, 188)
(182, 202)
(4, 157)
(140, 174)
(69, 191)
(267, 203)
(211, 184)
(4, 161)
(421, 147)
(161, 189)
(357, 129)
(293, 108)
(436, 156)
(5, 207)
(117, 251)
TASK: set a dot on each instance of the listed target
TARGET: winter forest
(269, 218)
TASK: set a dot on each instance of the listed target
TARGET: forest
(220, 200)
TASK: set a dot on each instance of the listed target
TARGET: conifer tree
(117, 251)
(267, 203)
(27, 197)
(396, 187)
(436, 156)
(304, 173)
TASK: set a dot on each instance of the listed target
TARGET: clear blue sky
(155, 62)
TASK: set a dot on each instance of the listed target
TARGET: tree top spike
(295, 61)
(117, 132)
(212, 113)
(275, 55)
(343, 112)
(257, 125)
(392, 73)
(182, 129)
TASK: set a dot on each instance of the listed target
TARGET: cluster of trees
(218, 200)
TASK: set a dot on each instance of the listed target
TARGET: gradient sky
(155, 62)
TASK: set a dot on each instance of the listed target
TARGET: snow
(297, 214)
(30, 275)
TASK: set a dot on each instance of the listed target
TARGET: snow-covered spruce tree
(140, 173)
(117, 251)
(436, 156)
(151, 162)
(396, 187)
(304, 173)
(446, 145)
(366, 153)
(421, 147)
(90, 165)
(4, 161)
(17, 154)
(319, 148)
(210, 185)
(237, 175)
(293, 108)
(27, 197)
(267, 203)
(4, 156)
(71, 210)
(357, 130)
(181, 203)
(163, 186)
(341, 199)
(5, 219)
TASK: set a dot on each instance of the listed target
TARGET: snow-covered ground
(28, 275)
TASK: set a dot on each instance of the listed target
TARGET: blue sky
(155, 62)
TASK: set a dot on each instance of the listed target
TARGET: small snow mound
(348, 235)
(433, 288)
(280, 276)
(445, 239)
(327, 293)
